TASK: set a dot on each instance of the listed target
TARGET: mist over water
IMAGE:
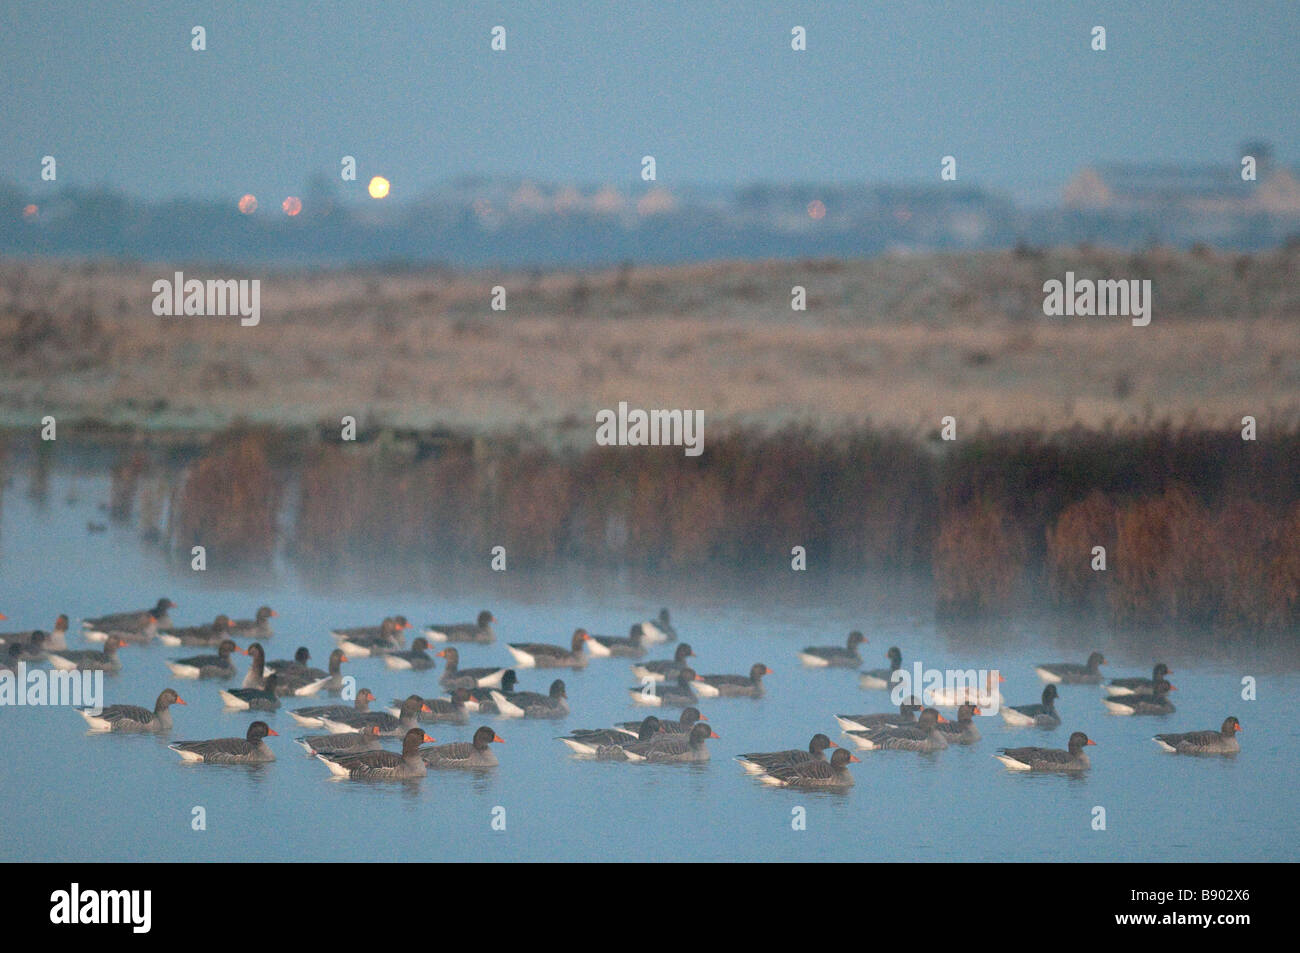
(73, 796)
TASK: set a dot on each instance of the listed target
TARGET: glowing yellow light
(30, 211)
(248, 204)
(816, 209)
(378, 187)
(292, 205)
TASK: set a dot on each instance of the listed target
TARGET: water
(66, 795)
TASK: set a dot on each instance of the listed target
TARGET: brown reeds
(1198, 526)
(979, 558)
(229, 499)
(1082, 526)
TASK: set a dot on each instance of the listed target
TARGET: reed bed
(1197, 525)
(228, 500)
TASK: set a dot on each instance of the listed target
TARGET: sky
(711, 89)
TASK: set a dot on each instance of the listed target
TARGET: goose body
(663, 670)
(1071, 673)
(589, 741)
(733, 686)
(906, 716)
(454, 676)
(133, 718)
(1223, 741)
(963, 731)
(258, 627)
(1071, 761)
(877, 679)
(251, 749)
(1042, 715)
(125, 624)
(1138, 686)
(1156, 702)
(465, 754)
(680, 694)
(381, 765)
(840, 656)
(663, 749)
(541, 655)
(202, 636)
(313, 716)
(759, 762)
(207, 666)
(265, 698)
(388, 725)
(416, 658)
(609, 646)
(89, 660)
(815, 773)
(366, 641)
(684, 723)
(53, 641)
(347, 742)
(479, 631)
(924, 736)
(555, 704)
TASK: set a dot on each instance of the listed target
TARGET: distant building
(1207, 189)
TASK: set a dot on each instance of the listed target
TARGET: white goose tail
(233, 701)
(311, 688)
(336, 769)
(100, 724)
(1013, 717)
(1012, 763)
(522, 659)
(505, 707)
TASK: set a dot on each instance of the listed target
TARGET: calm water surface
(69, 796)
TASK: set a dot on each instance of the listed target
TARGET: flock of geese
(352, 735)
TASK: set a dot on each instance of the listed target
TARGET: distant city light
(248, 204)
(378, 187)
(292, 205)
(816, 209)
(30, 211)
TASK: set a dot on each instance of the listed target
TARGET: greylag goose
(479, 631)
(839, 656)
(1072, 673)
(462, 754)
(1072, 760)
(133, 718)
(251, 749)
(1223, 741)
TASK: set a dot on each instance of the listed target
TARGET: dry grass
(899, 341)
